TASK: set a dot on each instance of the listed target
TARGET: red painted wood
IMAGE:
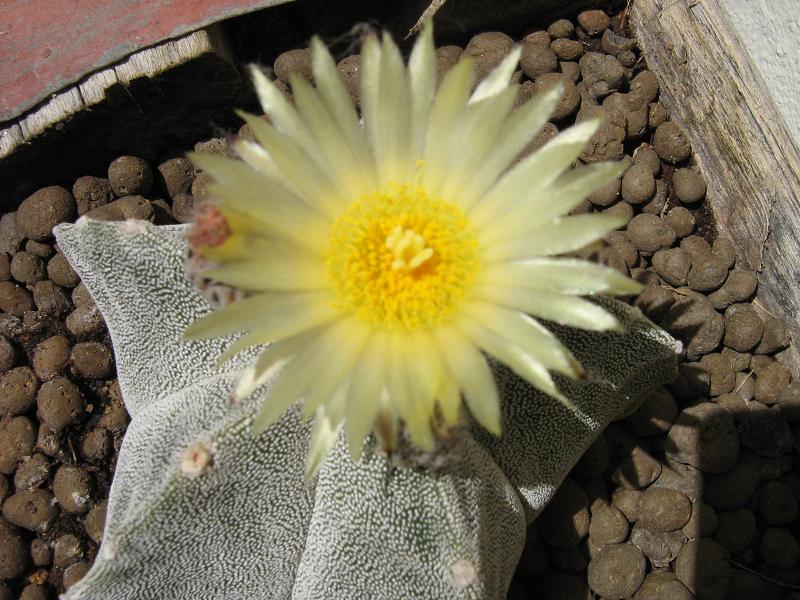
(46, 45)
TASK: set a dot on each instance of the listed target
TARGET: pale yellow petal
(271, 273)
(523, 124)
(369, 85)
(364, 397)
(497, 326)
(445, 115)
(534, 173)
(343, 345)
(315, 183)
(289, 385)
(500, 77)
(278, 315)
(254, 155)
(264, 200)
(563, 235)
(334, 92)
(324, 433)
(449, 399)
(415, 415)
(275, 351)
(284, 116)
(468, 366)
(566, 310)
(346, 162)
(476, 136)
(422, 82)
(561, 275)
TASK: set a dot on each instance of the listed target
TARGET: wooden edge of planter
(715, 93)
(185, 80)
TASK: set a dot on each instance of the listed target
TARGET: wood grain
(715, 93)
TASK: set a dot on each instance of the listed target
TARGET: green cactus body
(202, 509)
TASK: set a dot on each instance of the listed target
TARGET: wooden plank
(157, 99)
(46, 45)
(715, 93)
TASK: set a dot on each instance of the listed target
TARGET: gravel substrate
(695, 495)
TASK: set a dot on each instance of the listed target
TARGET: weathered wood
(50, 44)
(157, 99)
(715, 93)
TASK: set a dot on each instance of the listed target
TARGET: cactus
(200, 508)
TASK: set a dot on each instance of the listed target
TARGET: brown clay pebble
(660, 548)
(39, 249)
(61, 272)
(536, 60)
(703, 521)
(608, 526)
(736, 529)
(779, 548)
(81, 296)
(95, 521)
(721, 376)
(565, 49)
(707, 274)
(664, 509)
(571, 70)
(32, 473)
(183, 208)
(593, 21)
(7, 354)
(628, 502)
(614, 44)
(115, 416)
(705, 437)
(11, 236)
(43, 210)
(537, 37)
(776, 336)
(601, 73)
(17, 391)
(92, 360)
(766, 433)
(644, 87)
(72, 487)
(617, 571)
(5, 267)
(607, 141)
(655, 415)
(743, 327)
(565, 521)
(85, 321)
(645, 155)
(670, 143)
(67, 550)
(738, 287)
(349, 68)
(689, 185)
(569, 100)
(563, 28)
(702, 566)
(672, 265)
(14, 299)
(606, 195)
(96, 444)
(127, 207)
(34, 591)
(777, 504)
(637, 471)
(40, 552)
(13, 551)
(654, 302)
(176, 176)
(27, 268)
(638, 184)
(662, 585)
(594, 461)
(50, 357)
(649, 233)
(74, 573)
(51, 299)
(293, 61)
(488, 49)
(681, 220)
(130, 176)
(60, 403)
(91, 192)
(33, 510)
(17, 439)
(218, 146)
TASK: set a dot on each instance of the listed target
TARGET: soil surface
(693, 495)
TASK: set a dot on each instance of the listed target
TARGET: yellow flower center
(399, 259)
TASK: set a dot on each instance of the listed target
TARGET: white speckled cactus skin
(247, 525)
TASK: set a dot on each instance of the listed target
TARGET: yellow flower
(383, 256)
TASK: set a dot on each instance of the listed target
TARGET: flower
(385, 256)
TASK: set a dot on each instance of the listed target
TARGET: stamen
(409, 249)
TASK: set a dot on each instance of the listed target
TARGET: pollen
(400, 260)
